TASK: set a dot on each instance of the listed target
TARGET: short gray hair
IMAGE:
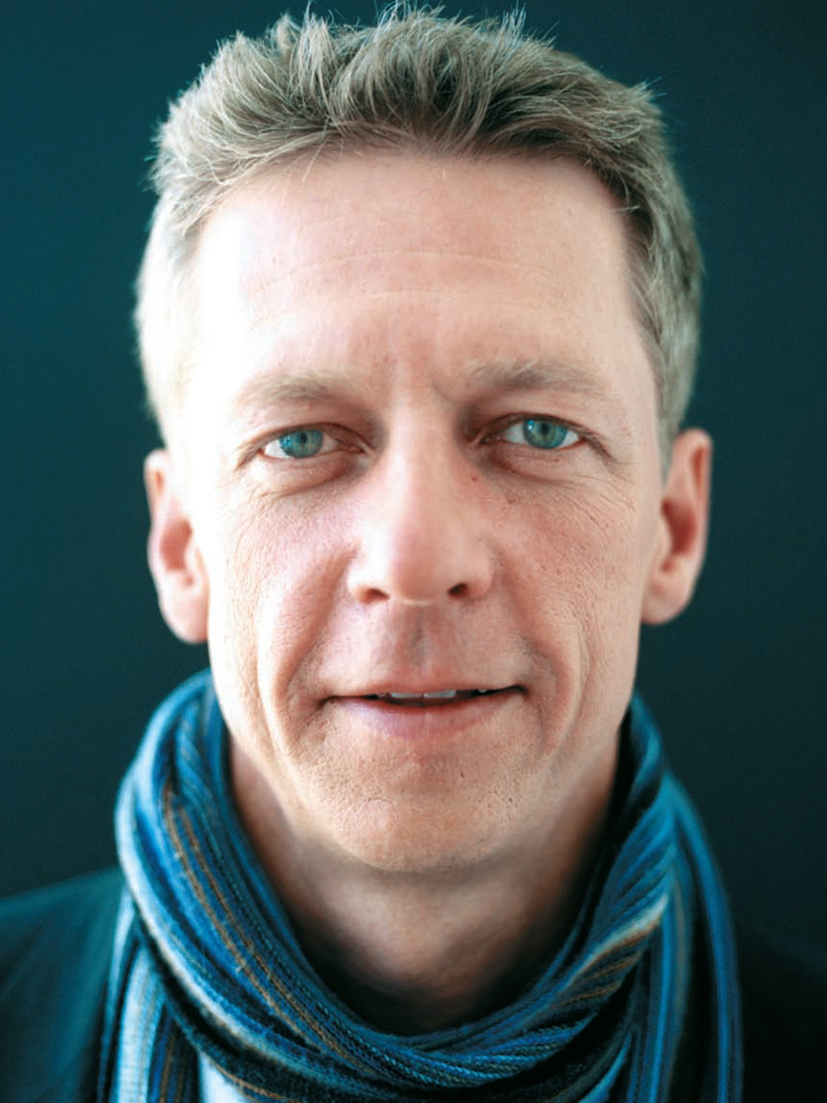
(455, 87)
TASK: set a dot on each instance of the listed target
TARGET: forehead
(406, 258)
(289, 223)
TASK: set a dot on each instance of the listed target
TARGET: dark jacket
(55, 950)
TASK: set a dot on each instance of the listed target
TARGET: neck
(417, 960)
(418, 952)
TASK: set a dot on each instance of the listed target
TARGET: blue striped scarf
(206, 962)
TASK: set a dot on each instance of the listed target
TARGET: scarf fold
(206, 961)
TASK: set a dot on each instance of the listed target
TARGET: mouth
(438, 698)
(427, 716)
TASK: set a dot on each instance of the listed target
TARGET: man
(418, 319)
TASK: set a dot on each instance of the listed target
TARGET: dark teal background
(737, 683)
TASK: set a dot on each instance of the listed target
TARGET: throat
(428, 991)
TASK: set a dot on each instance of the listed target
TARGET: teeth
(438, 695)
(442, 694)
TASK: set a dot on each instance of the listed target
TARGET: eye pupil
(544, 434)
(301, 443)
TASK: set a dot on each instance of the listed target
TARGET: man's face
(421, 456)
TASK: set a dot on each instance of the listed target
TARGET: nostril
(373, 594)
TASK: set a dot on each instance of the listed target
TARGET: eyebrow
(289, 386)
(526, 375)
(484, 376)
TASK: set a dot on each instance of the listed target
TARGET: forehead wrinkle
(262, 313)
(270, 274)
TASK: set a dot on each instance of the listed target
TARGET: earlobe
(174, 559)
(684, 522)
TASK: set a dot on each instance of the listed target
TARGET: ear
(174, 559)
(684, 521)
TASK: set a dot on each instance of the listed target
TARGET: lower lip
(436, 719)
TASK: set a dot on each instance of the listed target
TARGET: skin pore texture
(419, 453)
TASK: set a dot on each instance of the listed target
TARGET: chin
(428, 837)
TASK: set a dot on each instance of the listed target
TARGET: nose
(422, 531)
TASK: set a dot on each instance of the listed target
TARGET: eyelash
(308, 434)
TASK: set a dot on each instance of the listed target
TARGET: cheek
(590, 543)
(583, 569)
(273, 575)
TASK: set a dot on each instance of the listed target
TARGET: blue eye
(540, 433)
(298, 444)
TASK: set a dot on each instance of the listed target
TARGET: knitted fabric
(206, 961)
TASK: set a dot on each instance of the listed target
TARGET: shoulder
(69, 905)
(55, 949)
(784, 1009)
